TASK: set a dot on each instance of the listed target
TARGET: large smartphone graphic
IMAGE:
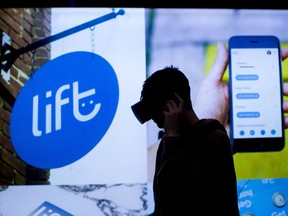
(256, 98)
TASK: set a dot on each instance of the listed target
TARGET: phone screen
(256, 99)
(256, 94)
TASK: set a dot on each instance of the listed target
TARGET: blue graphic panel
(48, 209)
(64, 110)
(263, 197)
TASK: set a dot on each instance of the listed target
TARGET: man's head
(157, 89)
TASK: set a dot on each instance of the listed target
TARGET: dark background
(268, 4)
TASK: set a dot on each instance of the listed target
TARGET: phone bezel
(268, 144)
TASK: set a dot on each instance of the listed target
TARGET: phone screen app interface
(256, 93)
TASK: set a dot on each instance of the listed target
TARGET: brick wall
(24, 26)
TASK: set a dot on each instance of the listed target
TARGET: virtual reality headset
(142, 111)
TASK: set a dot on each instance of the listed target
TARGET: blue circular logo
(64, 110)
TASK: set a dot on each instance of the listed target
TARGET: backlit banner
(73, 115)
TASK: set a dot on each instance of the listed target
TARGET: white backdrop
(120, 157)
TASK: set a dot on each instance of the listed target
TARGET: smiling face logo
(64, 110)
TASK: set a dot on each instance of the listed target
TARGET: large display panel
(114, 176)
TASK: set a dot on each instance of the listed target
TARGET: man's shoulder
(211, 131)
(211, 124)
